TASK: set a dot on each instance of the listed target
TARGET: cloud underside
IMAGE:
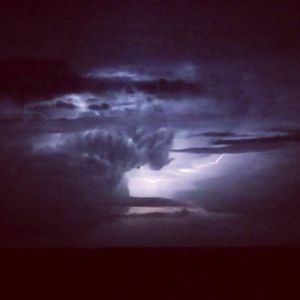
(232, 146)
(236, 88)
(68, 187)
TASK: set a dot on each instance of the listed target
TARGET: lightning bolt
(196, 169)
(147, 182)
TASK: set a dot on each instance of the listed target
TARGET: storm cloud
(55, 188)
(246, 145)
(148, 123)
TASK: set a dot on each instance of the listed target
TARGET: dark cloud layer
(56, 191)
(232, 87)
(246, 145)
(215, 134)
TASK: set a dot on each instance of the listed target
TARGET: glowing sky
(179, 175)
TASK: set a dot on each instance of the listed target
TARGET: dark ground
(207, 273)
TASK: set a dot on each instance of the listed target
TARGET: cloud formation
(65, 149)
(246, 145)
(56, 189)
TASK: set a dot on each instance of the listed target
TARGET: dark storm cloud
(215, 134)
(272, 140)
(26, 80)
(102, 106)
(55, 190)
(101, 149)
(65, 105)
(36, 124)
(42, 199)
(233, 88)
(155, 146)
(246, 145)
(254, 87)
(163, 86)
(289, 130)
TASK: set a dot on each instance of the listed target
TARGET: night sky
(149, 123)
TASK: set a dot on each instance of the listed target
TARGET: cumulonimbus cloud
(56, 191)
